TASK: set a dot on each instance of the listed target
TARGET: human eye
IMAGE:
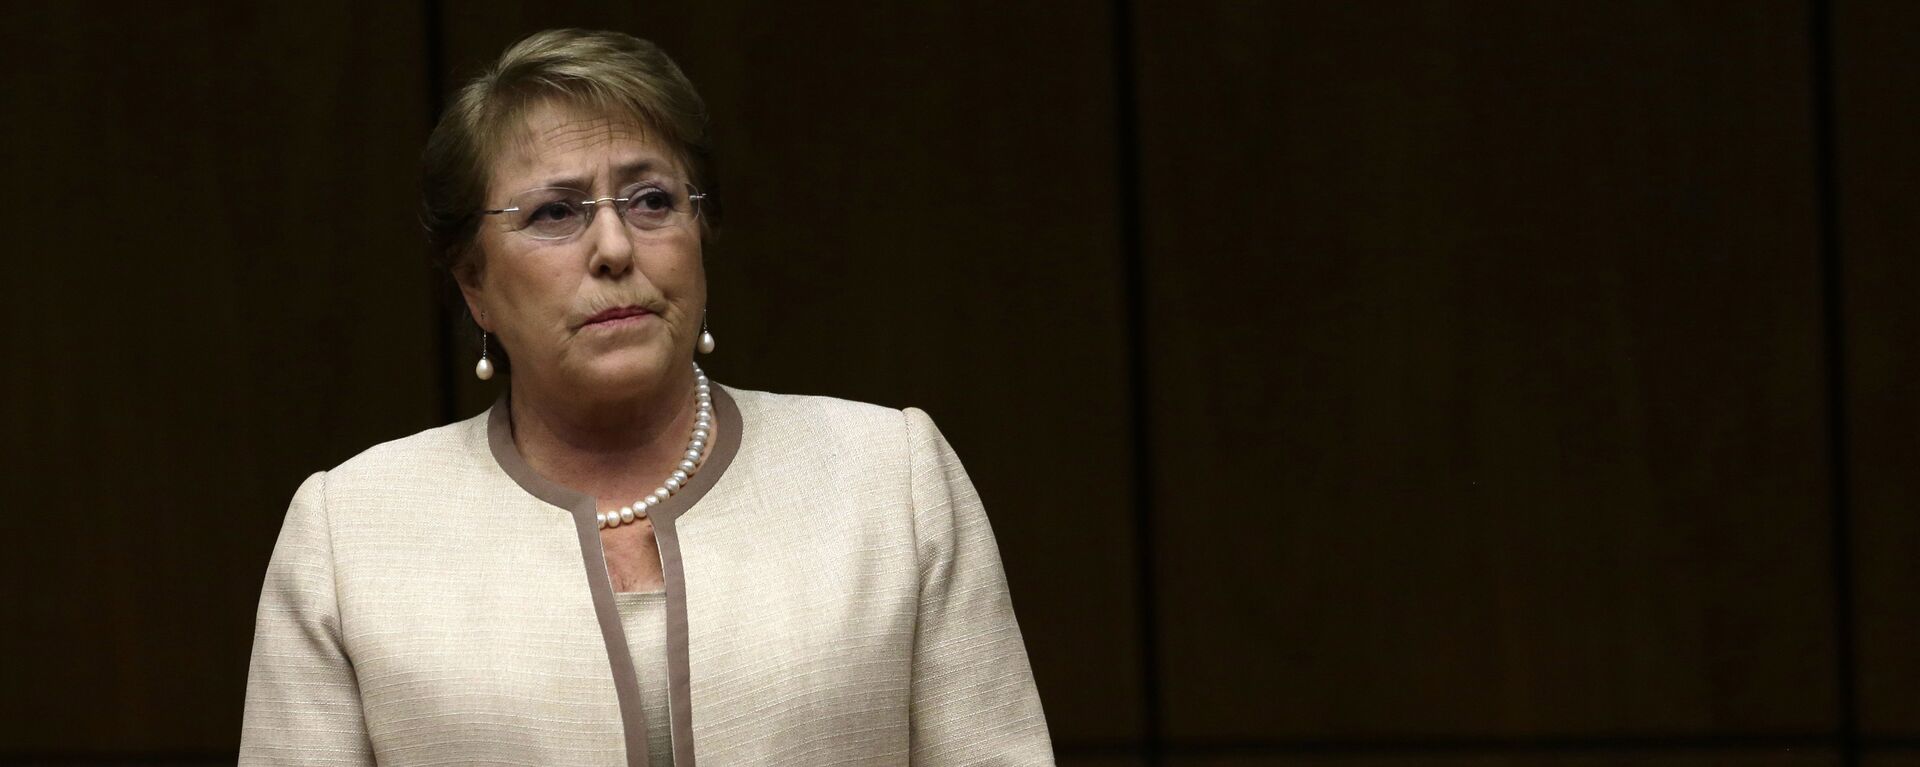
(549, 214)
(650, 204)
(552, 211)
(654, 200)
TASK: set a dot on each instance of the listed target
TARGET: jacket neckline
(719, 457)
(583, 507)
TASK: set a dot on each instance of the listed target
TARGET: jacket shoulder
(803, 418)
(440, 453)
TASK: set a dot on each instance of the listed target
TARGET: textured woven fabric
(645, 618)
(843, 596)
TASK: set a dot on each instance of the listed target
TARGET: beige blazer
(834, 597)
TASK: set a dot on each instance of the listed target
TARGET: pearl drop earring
(706, 338)
(483, 370)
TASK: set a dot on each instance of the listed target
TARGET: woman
(621, 562)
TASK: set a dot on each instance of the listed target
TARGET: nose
(611, 242)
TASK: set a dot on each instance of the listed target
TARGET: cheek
(689, 259)
(677, 270)
(531, 288)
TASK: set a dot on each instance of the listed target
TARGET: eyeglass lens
(556, 213)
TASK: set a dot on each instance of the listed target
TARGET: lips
(615, 315)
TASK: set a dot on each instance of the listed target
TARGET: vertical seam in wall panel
(1134, 310)
(435, 49)
(1833, 331)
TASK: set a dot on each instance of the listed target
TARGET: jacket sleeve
(303, 702)
(973, 699)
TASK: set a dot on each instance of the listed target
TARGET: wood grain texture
(920, 211)
(1701, 758)
(1112, 760)
(1875, 77)
(1486, 370)
(220, 289)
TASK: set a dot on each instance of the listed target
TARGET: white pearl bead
(483, 370)
(703, 418)
(703, 388)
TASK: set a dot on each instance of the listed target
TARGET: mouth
(625, 315)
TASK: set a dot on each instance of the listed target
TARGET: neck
(609, 448)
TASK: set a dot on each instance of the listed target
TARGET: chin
(626, 371)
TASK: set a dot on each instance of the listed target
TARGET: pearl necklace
(689, 463)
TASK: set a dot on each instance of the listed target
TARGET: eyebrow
(621, 173)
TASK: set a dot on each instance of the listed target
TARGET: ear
(473, 290)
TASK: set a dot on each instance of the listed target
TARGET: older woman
(621, 562)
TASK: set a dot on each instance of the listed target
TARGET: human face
(548, 301)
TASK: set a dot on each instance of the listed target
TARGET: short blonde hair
(606, 73)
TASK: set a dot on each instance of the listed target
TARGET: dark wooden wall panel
(1486, 369)
(1876, 120)
(1686, 758)
(920, 211)
(1070, 760)
(1484, 343)
(219, 288)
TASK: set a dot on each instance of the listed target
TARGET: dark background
(1380, 383)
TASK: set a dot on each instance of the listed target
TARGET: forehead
(558, 142)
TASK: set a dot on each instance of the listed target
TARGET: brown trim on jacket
(673, 569)
(583, 507)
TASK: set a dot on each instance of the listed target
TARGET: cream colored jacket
(834, 597)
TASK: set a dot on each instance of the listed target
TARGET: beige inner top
(644, 615)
